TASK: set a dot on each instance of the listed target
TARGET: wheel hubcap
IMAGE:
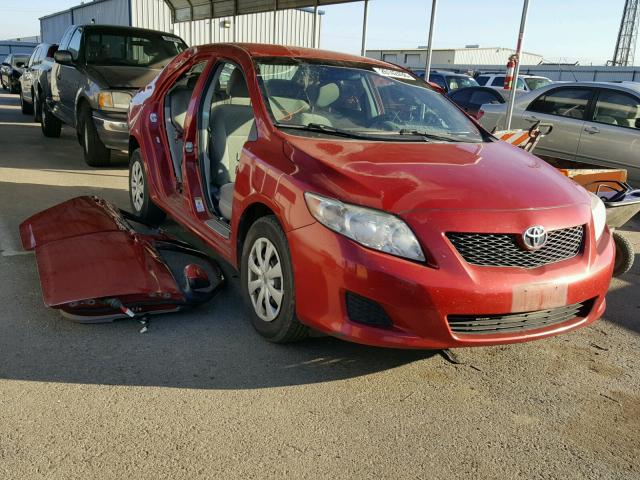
(264, 279)
(137, 186)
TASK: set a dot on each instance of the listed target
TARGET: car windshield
(534, 83)
(456, 82)
(139, 49)
(359, 100)
(19, 59)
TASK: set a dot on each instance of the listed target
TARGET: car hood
(401, 177)
(122, 77)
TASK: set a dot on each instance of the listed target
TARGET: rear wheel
(624, 254)
(267, 282)
(95, 153)
(25, 107)
(141, 203)
(51, 125)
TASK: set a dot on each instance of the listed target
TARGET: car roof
(635, 86)
(267, 50)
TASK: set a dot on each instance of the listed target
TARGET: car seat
(232, 124)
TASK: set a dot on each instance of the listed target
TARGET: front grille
(504, 250)
(514, 322)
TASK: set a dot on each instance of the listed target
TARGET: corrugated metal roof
(186, 10)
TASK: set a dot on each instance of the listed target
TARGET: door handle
(592, 130)
(530, 118)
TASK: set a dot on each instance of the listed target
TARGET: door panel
(565, 108)
(612, 138)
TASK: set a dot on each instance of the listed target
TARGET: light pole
(514, 87)
(434, 5)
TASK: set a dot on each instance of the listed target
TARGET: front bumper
(418, 298)
(112, 130)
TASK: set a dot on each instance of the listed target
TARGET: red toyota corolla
(355, 200)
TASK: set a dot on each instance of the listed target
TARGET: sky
(560, 30)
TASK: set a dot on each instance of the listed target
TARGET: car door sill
(219, 227)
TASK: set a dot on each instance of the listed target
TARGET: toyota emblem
(534, 237)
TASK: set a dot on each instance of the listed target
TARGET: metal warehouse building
(288, 27)
(416, 59)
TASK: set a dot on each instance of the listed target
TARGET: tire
(141, 205)
(4, 87)
(275, 321)
(37, 108)
(95, 153)
(51, 126)
(26, 108)
(624, 254)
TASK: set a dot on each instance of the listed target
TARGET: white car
(525, 82)
(596, 123)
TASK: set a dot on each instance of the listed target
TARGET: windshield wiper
(318, 127)
(429, 136)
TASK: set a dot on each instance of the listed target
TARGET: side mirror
(5, 64)
(19, 64)
(63, 57)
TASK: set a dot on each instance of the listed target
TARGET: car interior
(617, 110)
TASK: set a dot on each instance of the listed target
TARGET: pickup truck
(97, 70)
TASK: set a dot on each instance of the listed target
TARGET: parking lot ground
(203, 396)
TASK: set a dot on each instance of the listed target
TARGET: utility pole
(512, 94)
(365, 20)
(625, 50)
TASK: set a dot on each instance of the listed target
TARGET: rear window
(19, 59)
(133, 50)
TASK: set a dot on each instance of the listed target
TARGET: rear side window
(563, 102)
(617, 108)
(482, 80)
(460, 96)
(439, 80)
(481, 97)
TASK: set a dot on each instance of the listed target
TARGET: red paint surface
(435, 188)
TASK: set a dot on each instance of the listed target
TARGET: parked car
(97, 69)
(355, 200)
(593, 122)
(11, 70)
(450, 81)
(35, 80)
(470, 99)
(526, 83)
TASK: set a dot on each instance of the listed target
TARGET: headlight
(599, 214)
(118, 100)
(371, 228)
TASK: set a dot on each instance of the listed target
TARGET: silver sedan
(596, 123)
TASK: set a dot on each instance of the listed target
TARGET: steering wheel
(386, 121)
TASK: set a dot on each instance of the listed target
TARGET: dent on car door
(565, 108)
(611, 137)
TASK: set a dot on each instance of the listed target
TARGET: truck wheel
(267, 283)
(26, 108)
(141, 203)
(51, 125)
(95, 153)
(624, 254)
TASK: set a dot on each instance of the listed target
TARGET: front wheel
(141, 204)
(51, 126)
(25, 107)
(95, 153)
(267, 283)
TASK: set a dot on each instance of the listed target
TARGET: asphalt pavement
(201, 395)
